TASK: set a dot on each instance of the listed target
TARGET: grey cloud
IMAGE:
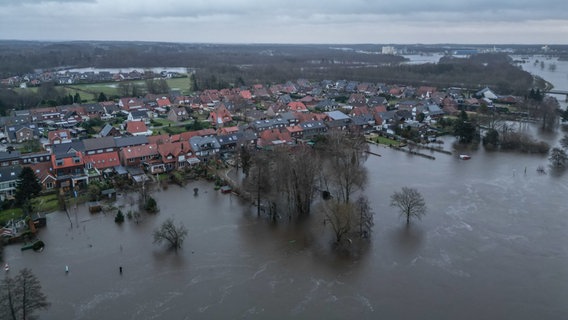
(36, 2)
(445, 9)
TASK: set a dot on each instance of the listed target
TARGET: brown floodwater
(492, 246)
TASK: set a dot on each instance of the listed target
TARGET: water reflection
(408, 238)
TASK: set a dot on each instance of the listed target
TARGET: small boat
(465, 157)
(6, 267)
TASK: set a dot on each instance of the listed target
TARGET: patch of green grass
(6, 215)
(90, 90)
(181, 84)
(385, 141)
(47, 203)
(174, 130)
(162, 121)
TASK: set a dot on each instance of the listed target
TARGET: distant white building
(388, 50)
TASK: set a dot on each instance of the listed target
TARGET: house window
(49, 185)
(76, 160)
(58, 162)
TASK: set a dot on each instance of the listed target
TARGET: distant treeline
(224, 65)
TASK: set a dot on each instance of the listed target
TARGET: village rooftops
(261, 125)
(128, 141)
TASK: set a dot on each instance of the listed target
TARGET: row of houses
(70, 163)
(74, 77)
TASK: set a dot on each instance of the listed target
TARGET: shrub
(119, 218)
(151, 205)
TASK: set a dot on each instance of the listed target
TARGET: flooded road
(492, 246)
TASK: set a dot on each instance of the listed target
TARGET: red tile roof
(68, 161)
(133, 127)
(103, 160)
(147, 150)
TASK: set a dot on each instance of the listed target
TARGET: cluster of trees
(21, 296)
(285, 181)
(559, 156)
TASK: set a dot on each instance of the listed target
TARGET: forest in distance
(248, 64)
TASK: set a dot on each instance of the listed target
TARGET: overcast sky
(289, 21)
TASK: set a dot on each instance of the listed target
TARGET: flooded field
(492, 245)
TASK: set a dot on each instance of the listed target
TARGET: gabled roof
(99, 143)
(106, 130)
(68, 148)
(363, 119)
(228, 139)
(174, 149)
(164, 102)
(134, 127)
(7, 156)
(61, 134)
(162, 138)
(103, 160)
(147, 150)
(42, 170)
(185, 136)
(274, 136)
(139, 114)
(10, 173)
(67, 160)
(337, 115)
(310, 125)
(128, 141)
(199, 143)
(297, 106)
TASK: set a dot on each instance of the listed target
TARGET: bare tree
(364, 216)
(344, 170)
(304, 170)
(564, 141)
(285, 180)
(558, 158)
(410, 203)
(548, 112)
(349, 219)
(170, 233)
(341, 218)
(21, 296)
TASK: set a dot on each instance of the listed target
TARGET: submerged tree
(170, 233)
(344, 157)
(548, 113)
(151, 205)
(283, 181)
(21, 296)
(347, 220)
(410, 203)
(564, 141)
(364, 217)
(558, 158)
(341, 217)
